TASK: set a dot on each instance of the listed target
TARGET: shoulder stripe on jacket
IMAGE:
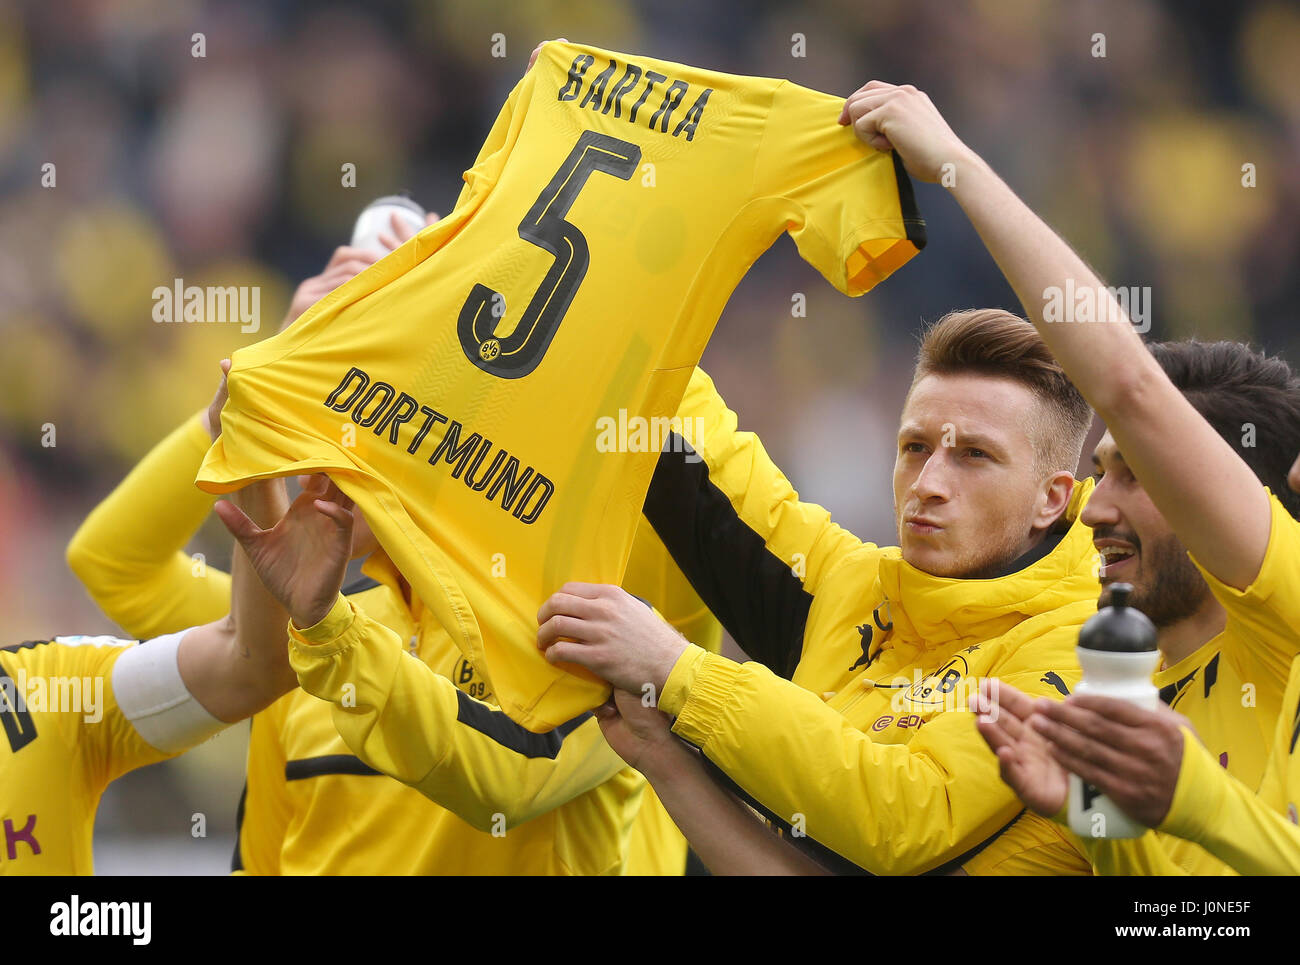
(754, 594)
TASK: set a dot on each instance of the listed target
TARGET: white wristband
(152, 696)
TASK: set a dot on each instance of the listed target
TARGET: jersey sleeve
(129, 551)
(1134, 857)
(402, 718)
(1204, 796)
(1269, 609)
(850, 209)
(1243, 829)
(82, 683)
(264, 807)
(110, 742)
(754, 552)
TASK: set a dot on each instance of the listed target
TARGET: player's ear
(1055, 499)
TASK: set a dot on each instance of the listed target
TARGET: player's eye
(977, 453)
(914, 447)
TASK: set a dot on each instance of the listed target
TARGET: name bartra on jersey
(598, 95)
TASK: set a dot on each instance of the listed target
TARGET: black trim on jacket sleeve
(754, 595)
(833, 861)
(498, 726)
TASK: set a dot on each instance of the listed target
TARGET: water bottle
(376, 218)
(1117, 650)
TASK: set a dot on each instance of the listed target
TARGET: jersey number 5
(517, 354)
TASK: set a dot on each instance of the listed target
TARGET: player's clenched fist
(611, 633)
(892, 118)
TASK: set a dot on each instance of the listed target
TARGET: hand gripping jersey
(455, 389)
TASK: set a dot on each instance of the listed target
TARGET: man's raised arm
(1220, 511)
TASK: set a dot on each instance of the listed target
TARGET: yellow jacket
(867, 749)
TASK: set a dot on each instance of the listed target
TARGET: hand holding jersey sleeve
(903, 119)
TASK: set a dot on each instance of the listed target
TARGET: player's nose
(932, 481)
(1101, 509)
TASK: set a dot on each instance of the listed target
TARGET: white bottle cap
(377, 219)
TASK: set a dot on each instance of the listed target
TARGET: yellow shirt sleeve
(1201, 777)
(1268, 610)
(850, 212)
(129, 551)
(400, 717)
(110, 743)
(801, 536)
(889, 808)
(755, 553)
(496, 148)
(1223, 816)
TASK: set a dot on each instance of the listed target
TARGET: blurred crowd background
(225, 170)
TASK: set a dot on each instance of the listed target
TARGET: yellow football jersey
(457, 388)
(1253, 834)
(1230, 688)
(64, 739)
(309, 805)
